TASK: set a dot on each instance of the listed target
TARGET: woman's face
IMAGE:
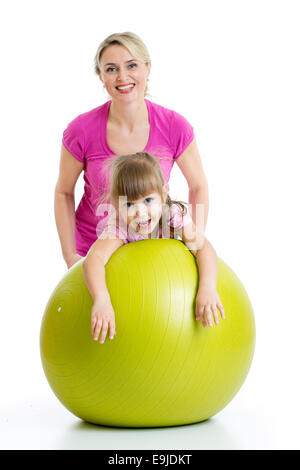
(142, 215)
(118, 68)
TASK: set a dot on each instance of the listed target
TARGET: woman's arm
(190, 165)
(64, 205)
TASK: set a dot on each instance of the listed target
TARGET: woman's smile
(125, 88)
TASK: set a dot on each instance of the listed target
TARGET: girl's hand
(208, 300)
(102, 319)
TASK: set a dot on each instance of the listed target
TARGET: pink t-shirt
(85, 138)
(174, 219)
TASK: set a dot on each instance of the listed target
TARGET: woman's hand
(73, 259)
(208, 300)
(103, 318)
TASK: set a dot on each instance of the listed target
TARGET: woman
(128, 123)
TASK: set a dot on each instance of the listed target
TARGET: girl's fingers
(99, 324)
(208, 315)
(104, 331)
(112, 331)
(215, 313)
(221, 310)
(201, 314)
(97, 329)
(209, 312)
(93, 324)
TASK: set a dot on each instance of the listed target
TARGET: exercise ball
(163, 368)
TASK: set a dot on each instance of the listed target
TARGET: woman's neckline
(108, 103)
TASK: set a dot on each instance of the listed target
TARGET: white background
(232, 69)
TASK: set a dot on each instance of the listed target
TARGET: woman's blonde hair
(131, 41)
(135, 176)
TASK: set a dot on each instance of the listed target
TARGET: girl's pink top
(85, 138)
(175, 219)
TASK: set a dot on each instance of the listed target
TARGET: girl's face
(120, 69)
(143, 215)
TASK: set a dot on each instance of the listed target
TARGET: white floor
(35, 419)
(46, 425)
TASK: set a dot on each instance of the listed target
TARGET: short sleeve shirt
(86, 139)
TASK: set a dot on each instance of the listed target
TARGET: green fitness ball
(163, 368)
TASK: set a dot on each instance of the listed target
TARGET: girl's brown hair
(135, 176)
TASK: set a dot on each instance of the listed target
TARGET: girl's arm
(204, 253)
(207, 299)
(93, 267)
(207, 262)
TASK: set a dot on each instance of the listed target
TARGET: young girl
(141, 209)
